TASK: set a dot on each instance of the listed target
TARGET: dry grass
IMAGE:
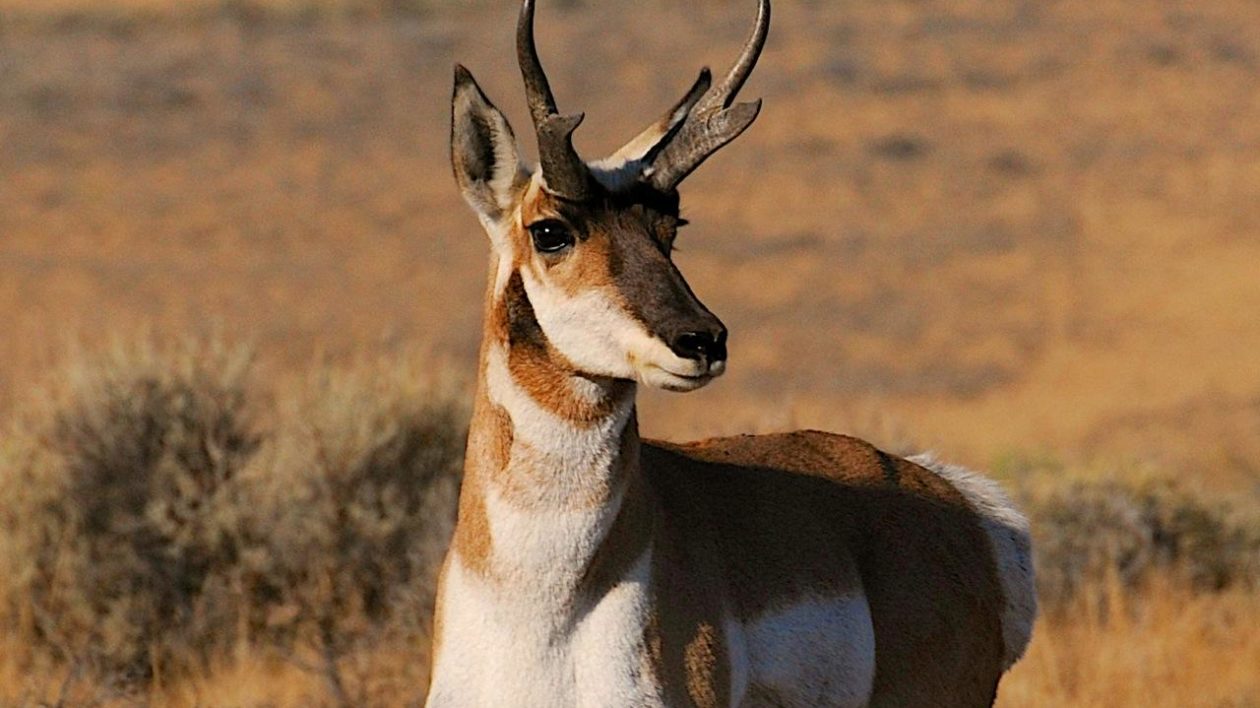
(122, 506)
(1165, 646)
(1169, 648)
(1131, 524)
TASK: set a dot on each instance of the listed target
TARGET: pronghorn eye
(551, 236)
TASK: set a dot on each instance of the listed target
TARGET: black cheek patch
(523, 330)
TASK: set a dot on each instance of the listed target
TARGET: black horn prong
(726, 91)
(643, 149)
(714, 120)
(565, 173)
(537, 89)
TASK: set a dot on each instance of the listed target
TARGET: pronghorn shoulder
(781, 526)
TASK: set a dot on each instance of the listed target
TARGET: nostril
(718, 351)
(709, 346)
(693, 345)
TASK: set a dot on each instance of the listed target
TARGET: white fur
(1008, 534)
(547, 547)
(599, 337)
(817, 652)
(526, 638)
(501, 648)
(616, 173)
(610, 656)
(497, 650)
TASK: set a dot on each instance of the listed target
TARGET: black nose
(706, 346)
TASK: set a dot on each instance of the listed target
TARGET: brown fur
(690, 658)
(489, 447)
(541, 372)
(489, 439)
(814, 514)
(751, 524)
(705, 674)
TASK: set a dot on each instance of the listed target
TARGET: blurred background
(1025, 235)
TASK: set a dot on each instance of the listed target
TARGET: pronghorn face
(590, 244)
(597, 273)
(607, 294)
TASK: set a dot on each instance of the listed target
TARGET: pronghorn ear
(487, 164)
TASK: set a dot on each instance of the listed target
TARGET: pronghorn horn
(648, 144)
(566, 174)
(712, 122)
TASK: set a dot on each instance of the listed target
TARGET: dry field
(1007, 230)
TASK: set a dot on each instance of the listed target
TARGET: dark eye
(551, 236)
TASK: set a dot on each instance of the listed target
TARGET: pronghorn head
(587, 246)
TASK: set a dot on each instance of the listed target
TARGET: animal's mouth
(670, 380)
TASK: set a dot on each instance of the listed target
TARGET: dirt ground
(977, 226)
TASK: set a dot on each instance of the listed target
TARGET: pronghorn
(591, 568)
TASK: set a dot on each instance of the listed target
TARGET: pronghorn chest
(515, 646)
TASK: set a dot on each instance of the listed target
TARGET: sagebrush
(161, 513)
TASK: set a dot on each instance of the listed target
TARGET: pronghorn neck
(552, 459)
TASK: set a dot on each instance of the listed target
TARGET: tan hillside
(984, 225)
